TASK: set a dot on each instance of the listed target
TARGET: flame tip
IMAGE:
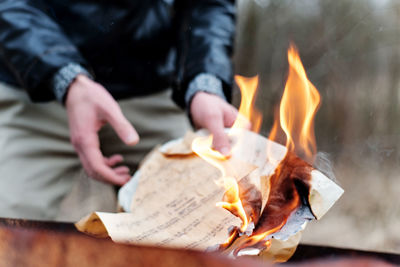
(299, 104)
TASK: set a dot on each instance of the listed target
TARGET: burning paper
(255, 202)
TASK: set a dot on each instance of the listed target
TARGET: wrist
(65, 77)
(76, 90)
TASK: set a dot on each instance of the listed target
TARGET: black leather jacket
(132, 47)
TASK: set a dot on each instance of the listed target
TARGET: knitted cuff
(204, 82)
(63, 78)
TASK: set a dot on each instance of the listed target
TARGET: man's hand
(213, 113)
(89, 106)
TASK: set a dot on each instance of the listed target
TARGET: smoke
(323, 163)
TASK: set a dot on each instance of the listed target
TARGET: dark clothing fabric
(131, 47)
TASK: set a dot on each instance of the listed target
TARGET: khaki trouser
(40, 174)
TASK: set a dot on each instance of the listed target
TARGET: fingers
(217, 128)
(122, 170)
(121, 125)
(121, 174)
(215, 124)
(96, 165)
(113, 160)
(214, 113)
(230, 115)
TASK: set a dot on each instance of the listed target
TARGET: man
(111, 64)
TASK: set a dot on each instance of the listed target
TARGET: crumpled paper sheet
(172, 197)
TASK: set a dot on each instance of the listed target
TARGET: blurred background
(351, 52)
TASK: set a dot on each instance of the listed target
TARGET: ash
(296, 222)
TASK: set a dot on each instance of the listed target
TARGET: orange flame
(299, 104)
(235, 205)
(247, 111)
(248, 117)
(259, 239)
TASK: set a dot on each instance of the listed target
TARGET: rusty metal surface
(30, 243)
(35, 243)
(309, 252)
(37, 225)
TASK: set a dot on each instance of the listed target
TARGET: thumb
(122, 126)
(220, 138)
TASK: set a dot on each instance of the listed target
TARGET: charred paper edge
(165, 147)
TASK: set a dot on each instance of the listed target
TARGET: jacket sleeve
(206, 44)
(33, 46)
